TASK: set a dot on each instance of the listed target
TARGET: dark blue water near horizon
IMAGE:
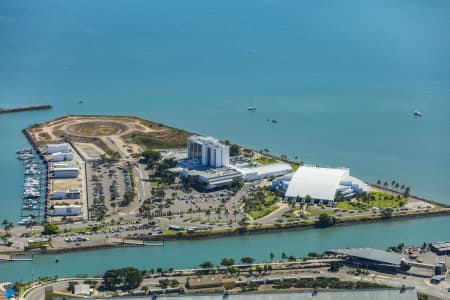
(342, 78)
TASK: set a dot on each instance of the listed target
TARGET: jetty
(134, 242)
(24, 108)
(5, 257)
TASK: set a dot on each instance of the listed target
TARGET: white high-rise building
(208, 151)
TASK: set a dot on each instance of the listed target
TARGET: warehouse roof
(369, 294)
(372, 254)
(318, 183)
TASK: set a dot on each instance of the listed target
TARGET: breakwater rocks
(24, 108)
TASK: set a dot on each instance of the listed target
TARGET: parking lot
(106, 188)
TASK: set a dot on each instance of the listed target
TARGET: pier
(5, 257)
(134, 242)
(24, 108)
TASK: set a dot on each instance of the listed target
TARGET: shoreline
(231, 233)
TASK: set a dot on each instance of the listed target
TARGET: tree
(247, 260)
(50, 229)
(387, 213)
(325, 220)
(234, 150)
(150, 157)
(237, 183)
(339, 196)
(407, 191)
(7, 225)
(272, 255)
(335, 266)
(379, 182)
(206, 265)
(5, 237)
(71, 287)
(111, 278)
(131, 277)
(227, 262)
(30, 225)
(308, 199)
(128, 197)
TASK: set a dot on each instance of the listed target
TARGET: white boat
(30, 185)
(251, 108)
(31, 194)
(30, 202)
(25, 156)
(417, 113)
(30, 207)
(31, 180)
(24, 221)
(24, 151)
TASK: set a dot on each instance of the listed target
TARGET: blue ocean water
(342, 78)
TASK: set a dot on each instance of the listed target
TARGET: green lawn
(375, 199)
(257, 214)
(265, 160)
(295, 167)
(315, 212)
(261, 203)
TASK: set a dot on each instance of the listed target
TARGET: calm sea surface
(342, 78)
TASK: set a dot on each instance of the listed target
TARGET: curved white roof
(318, 183)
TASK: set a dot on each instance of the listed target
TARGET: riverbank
(24, 108)
(227, 233)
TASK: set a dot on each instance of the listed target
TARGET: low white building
(82, 290)
(58, 195)
(322, 184)
(65, 170)
(55, 148)
(211, 179)
(67, 210)
(263, 171)
(282, 183)
(73, 194)
(68, 194)
(61, 156)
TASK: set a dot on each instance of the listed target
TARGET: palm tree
(31, 224)
(208, 213)
(379, 182)
(272, 255)
(308, 199)
(7, 225)
(406, 192)
(235, 213)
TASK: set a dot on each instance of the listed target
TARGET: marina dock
(134, 242)
(24, 108)
(5, 257)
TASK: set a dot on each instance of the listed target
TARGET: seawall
(24, 108)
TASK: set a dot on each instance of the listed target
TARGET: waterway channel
(186, 254)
